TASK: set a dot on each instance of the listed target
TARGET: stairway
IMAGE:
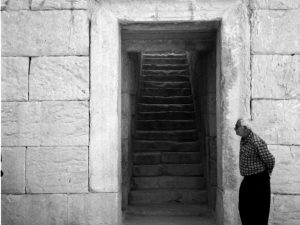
(167, 171)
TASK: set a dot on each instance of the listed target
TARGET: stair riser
(147, 159)
(160, 107)
(162, 78)
(165, 72)
(167, 157)
(183, 210)
(166, 115)
(165, 67)
(150, 84)
(176, 196)
(171, 182)
(177, 136)
(165, 100)
(168, 56)
(166, 92)
(181, 157)
(163, 170)
(165, 125)
(164, 61)
(155, 146)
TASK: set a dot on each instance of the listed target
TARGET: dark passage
(168, 171)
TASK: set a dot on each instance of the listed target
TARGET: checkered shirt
(255, 156)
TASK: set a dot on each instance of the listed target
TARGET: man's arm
(265, 155)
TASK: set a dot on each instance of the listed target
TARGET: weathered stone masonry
(49, 176)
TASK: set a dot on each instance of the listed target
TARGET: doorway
(169, 119)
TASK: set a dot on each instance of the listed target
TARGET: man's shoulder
(257, 139)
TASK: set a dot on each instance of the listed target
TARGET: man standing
(256, 165)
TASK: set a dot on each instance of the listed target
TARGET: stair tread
(166, 145)
(166, 104)
(168, 190)
(168, 182)
(166, 84)
(164, 169)
(166, 131)
(169, 209)
(147, 196)
(168, 120)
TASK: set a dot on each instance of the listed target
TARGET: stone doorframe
(233, 87)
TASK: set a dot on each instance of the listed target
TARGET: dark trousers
(254, 199)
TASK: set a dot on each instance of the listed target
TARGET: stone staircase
(167, 166)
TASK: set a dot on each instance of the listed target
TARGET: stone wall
(46, 135)
(45, 116)
(204, 93)
(275, 63)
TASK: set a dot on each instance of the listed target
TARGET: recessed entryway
(169, 120)
(232, 89)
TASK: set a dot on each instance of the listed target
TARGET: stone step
(164, 60)
(165, 72)
(163, 56)
(173, 115)
(168, 182)
(165, 66)
(165, 107)
(175, 135)
(168, 169)
(181, 157)
(165, 124)
(166, 92)
(165, 146)
(172, 219)
(169, 209)
(160, 84)
(152, 158)
(168, 78)
(166, 100)
(145, 158)
(167, 196)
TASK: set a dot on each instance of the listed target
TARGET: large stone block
(57, 170)
(45, 123)
(58, 4)
(59, 78)
(14, 4)
(276, 76)
(13, 167)
(93, 209)
(34, 209)
(14, 78)
(40, 33)
(285, 177)
(276, 31)
(275, 4)
(277, 121)
(285, 210)
(105, 129)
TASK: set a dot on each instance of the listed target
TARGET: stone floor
(168, 220)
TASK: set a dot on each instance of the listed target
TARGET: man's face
(239, 130)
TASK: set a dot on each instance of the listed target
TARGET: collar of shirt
(246, 139)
